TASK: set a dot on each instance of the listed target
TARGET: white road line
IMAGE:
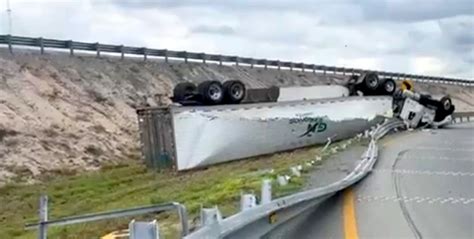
(444, 149)
(416, 199)
(439, 158)
(424, 172)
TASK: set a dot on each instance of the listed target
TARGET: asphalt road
(422, 187)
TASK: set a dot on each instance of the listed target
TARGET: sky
(430, 37)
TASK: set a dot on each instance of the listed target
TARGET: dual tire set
(371, 84)
(209, 93)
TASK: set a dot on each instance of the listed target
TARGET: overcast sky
(434, 37)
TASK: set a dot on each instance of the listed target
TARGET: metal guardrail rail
(44, 222)
(459, 117)
(98, 48)
(258, 221)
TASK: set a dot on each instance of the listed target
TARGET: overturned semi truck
(213, 123)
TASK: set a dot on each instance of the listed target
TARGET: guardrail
(459, 117)
(98, 48)
(44, 222)
(256, 221)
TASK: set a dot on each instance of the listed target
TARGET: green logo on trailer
(315, 125)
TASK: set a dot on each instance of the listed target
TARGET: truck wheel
(234, 91)
(389, 86)
(184, 91)
(371, 81)
(211, 92)
(446, 103)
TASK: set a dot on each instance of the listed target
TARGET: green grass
(131, 185)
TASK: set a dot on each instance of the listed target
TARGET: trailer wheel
(211, 92)
(371, 81)
(446, 103)
(389, 86)
(184, 91)
(234, 91)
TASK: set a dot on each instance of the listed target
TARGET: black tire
(446, 103)
(184, 91)
(352, 85)
(234, 91)
(389, 86)
(371, 81)
(441, 114)
(352, 89)
(211, 92)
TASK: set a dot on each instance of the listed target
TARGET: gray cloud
(219, 29)
(458, 40)
(415, 10)
(385, 10)
(459, 31)
(399, 35)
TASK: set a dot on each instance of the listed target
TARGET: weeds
(130, 184)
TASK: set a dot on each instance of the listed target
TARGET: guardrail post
(251, 63)
(314, 69)
(145, 53)
(343, 71)
(70, 44)
(43, 217)
(141, 230)
(237, 61)
(122, 52)
(282, 180)
(9, 42)
(97, 48)
(210, 216)
(203, 58)
(220, 60)
(278, 64)
(185, 57)
(295, 171)
(324, 71)
(266, 191)
(302, 67)
(291, 66)
(247, 201)
(183, 217)
(327, 144)
(166, 55)
(266, 64)
(41, 45)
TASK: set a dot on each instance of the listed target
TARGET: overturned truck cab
(422, 110)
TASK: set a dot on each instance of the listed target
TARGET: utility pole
(9, 16)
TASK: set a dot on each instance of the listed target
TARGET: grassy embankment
(131, 185)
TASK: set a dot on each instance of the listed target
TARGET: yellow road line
(389, 141)
(350, 222)
(109, 236)
(116, 234)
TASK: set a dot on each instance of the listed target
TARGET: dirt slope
(66, 114)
